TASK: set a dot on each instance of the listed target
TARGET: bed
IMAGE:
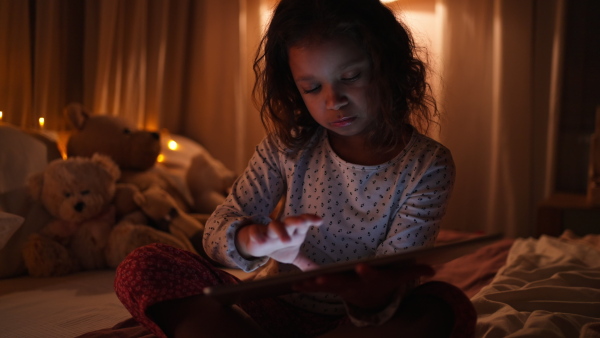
(524, 287)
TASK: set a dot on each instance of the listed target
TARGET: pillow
(20, 156)
(11, 257)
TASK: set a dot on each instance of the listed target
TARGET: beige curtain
(135, 59)
(15, 62)
(219, 110)
(495, 76)
(498, 104)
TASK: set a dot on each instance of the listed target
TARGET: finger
(278, 230)
(257, 234)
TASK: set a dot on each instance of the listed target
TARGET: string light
(0, 114)
(172, 145)
(41, 120)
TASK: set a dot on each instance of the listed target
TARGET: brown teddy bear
(83, 196)
(134, 151)
(78, 193)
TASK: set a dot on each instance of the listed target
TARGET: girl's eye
(312, 90)
(351, 78)
(126, 131)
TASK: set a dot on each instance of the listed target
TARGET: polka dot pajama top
(367, 210)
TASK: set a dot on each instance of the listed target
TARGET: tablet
(282, 284)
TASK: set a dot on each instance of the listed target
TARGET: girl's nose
(335, 100)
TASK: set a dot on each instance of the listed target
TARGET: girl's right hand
(280, 240)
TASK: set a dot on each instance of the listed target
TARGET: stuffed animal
(78, 193)
(83, 196)
(134, 151)
(160, 221)
(166, 216)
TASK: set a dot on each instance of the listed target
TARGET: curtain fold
(136, 60)
(15, 63)
(468, 59)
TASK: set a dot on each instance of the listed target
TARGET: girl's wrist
(241, 238)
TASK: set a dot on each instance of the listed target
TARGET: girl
(342, 95)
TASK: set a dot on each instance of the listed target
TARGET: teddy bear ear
(108, 164)
(35, 183)
(76, 115)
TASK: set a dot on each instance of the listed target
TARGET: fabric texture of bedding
(59, 306)
(549, 287)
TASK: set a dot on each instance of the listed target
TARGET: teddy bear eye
(126, 131)
(67, 194)
(85, 192)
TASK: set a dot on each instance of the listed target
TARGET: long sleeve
(425, 192)
(254, 196)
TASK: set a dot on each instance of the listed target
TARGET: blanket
(549, 287)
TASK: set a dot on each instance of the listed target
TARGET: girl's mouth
(343, 122)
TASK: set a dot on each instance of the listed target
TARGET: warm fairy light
(160, 158)
(387, 1)
(41, 121)
(0, 114)
(172, 145)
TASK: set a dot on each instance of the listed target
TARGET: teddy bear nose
(155, 135)
(79, 206)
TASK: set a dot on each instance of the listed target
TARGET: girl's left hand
(369, 289)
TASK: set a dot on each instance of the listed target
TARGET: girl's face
(333, 78)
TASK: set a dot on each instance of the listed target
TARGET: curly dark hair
(398, 84)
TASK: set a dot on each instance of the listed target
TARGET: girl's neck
(356, 150)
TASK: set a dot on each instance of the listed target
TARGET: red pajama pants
(159, 272)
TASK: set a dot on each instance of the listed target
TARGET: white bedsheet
(548, 288)
(59, 307)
